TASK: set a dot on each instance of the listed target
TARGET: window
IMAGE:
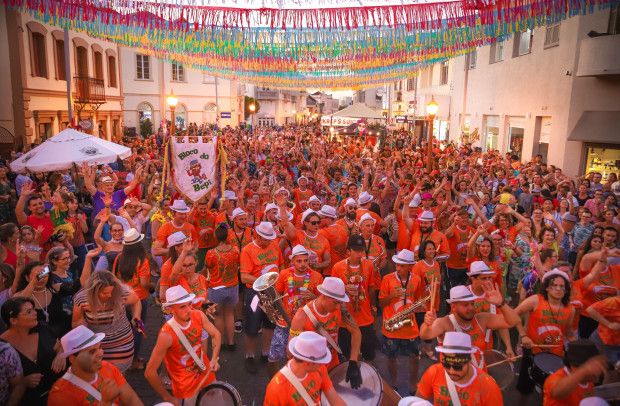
(471, 59)
(143, 67)
(145, 112)
(111, 71)
(412, 84)
(59, 49)
(178, 73)
(39, 58)
(614, 21)
(210, 107)
(523, 43)
(552, 36)
(443, 77)
(180, 118)
(497, 52)
(98, 60)
(81, 61)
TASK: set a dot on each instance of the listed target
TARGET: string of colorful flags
(336, 47)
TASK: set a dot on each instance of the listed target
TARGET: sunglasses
(455, 367)
(314, 223)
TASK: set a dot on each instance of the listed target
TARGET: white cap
(132, 236)
(270, 206)
(313, 198)
(350, 202)
(237, 212)
(79, 339)
(328, 211)
(306, 213)
(414, 203)
(479, 268)
(334, 288)
(366, 216)
(461, 294)
(300, 179)
(414, 401)
(177, 295)
(456, 343)
(310, 346)
(229, 195)
(426, 215)
(555, 272)
(176, 239)
(404, 257)
(298, 250)
(265, 230)
(364, 198)
(179, 206)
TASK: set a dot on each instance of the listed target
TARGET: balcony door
(81, 61)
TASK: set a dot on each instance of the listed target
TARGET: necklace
(293, 298)
(404, 286)
(43, 309)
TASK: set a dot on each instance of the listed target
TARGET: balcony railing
(599, 56)
(267, 95)
(89, 90)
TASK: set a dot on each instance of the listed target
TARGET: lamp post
(252, 108)
(172, 103)
(431, 111)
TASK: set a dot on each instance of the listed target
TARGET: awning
(598, 127)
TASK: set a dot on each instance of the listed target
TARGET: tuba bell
(269, 300)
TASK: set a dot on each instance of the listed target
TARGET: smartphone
(45, 272)
(90, 246)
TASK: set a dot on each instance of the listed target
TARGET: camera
(45, 272)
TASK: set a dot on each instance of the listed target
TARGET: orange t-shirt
(299, 195)
(338, 237)
(168, 229)
(239, 241)
(573, 399)
(546, 326)
(610, 309)
(426, 273)
(458, 248)
(222, 217)
(481, 390)
(199, 288)
(608, 285)
(360, 212)
(293, 300)
(317, 246)
(200, 223)
(223, 267)
(375, 248)
(165, 273)
(495, 267)
(254, 258)
(143, 271)
(280, 391)
(180, 365)
(404, 236)
(65, 393)
(363, 276)
(439, 238)
(331, 323)
(414, 292)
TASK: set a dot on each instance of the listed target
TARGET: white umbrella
(66, 148)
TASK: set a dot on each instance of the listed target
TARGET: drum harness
(320, 329)
(188, 347)
(82, 384)
(454, 396)
(457, 327)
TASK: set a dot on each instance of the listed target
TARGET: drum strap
(288, 374)
(82, 384)
(454, 395)
(188, 347)
(457, 327)
(321, 330)
(487, 336)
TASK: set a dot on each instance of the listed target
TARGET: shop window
(602, 159)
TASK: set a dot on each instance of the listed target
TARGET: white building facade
(279, 107)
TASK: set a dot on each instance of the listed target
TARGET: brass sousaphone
(269, 300)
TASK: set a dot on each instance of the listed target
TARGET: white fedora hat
(301, 178)
(555, 272)
(79, 339)
(365, 217)
(237, 212)
(106, 179)
(479, 268)
(271, 206)
(334, 288)
(365, 198)
(265, 230)
(177, 295)
(350, 202)
(307, 213)
(455, 342)
(313, 198)
(289, 215)
(179, 206)
(298, 250)
(414, 401)
(461, 294)
(404, 257)
(426, 215)
(328, 211)
(132, 236)
(310, 346)
(284, 191)
(229, 195)
(176, 238)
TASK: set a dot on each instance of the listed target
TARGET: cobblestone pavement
(252, 387)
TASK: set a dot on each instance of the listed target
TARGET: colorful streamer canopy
(296, 46)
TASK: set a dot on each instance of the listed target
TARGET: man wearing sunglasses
(455, 380)
(316, 244)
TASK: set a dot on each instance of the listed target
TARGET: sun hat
(310, 346)
(132, 236)
(179, 206)
(364, 198)
(229, 195)
(479, 268)
(265, 230)
(237, 212)
(571, 218)
(461, 294)
(350, 202)
(328, 211)
(313, 198)
(300, 179)
(366, 216)
(177, 295)
(176, 238)
(426, 215)
(556, 272)
(334, 288)
(413, 401)
(404, 257)
(270, 206)
(298, 250)
(283, 190)
(306, 213)
(106, 179)
(79, 339)
(356, 243)
(455, 342)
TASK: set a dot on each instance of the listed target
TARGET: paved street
(252, 387)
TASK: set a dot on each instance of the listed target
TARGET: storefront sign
(225, 114)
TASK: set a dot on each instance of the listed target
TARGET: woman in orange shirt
(427, 269)
(192, 281)
(482, 248)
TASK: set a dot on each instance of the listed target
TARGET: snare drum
(543, 365)
(373, 392)
(610, 392)
(503, 373)
(218, 394)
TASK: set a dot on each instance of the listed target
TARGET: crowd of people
(372, 248)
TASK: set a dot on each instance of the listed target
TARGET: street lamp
(252, 108)
(431, 111)
(172, 103)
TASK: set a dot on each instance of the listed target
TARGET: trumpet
(404, 317)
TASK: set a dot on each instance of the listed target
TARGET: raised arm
(20, 213)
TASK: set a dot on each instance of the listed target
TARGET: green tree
(146, 128)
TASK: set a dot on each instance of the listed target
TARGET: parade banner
(193, 164)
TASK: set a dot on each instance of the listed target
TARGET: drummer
(455, 380)
(304, 378)
(463, 318)
(326, 315)
(569, 385)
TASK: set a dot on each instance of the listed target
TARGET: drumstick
(432, 293)
(546, 345)
(504, 360)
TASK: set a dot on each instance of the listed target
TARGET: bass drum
(503, 372)
(373, 392)
(543, 365)
(219, 394)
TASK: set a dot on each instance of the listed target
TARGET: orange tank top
(547, 326)
(331, 323)
(477, 334)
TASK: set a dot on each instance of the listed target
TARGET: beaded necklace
(296, 298)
